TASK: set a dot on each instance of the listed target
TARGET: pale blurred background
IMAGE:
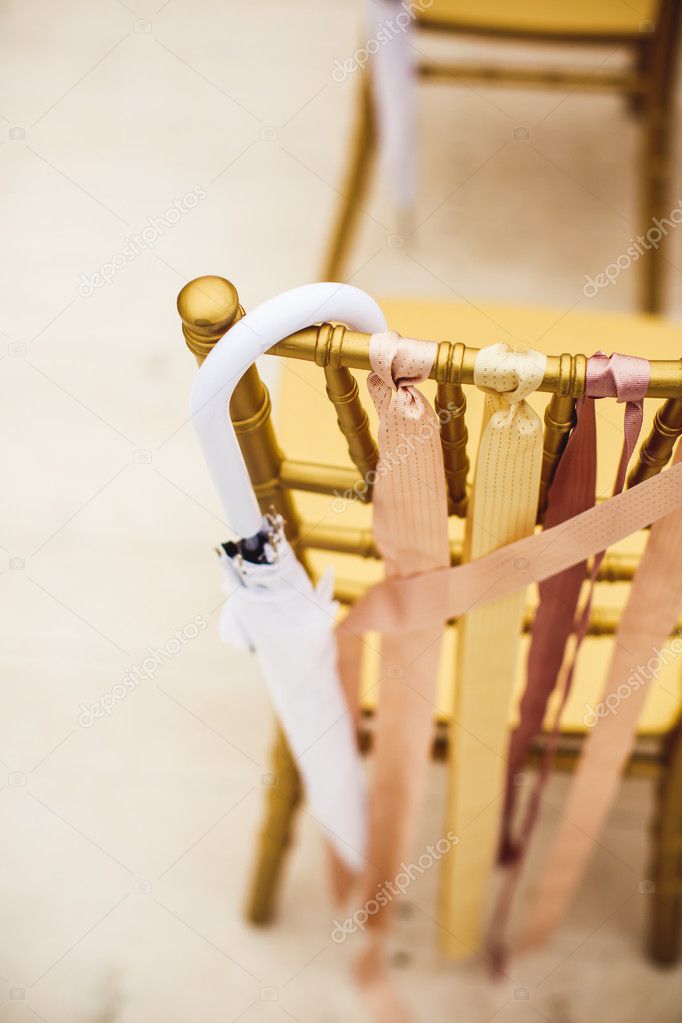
(126, 844)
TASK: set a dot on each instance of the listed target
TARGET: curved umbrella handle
(229, 359)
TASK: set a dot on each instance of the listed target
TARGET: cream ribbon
(502, 509)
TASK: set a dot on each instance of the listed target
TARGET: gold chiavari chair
(646, 31)
(329, 521)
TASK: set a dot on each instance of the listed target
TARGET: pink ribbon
(649, 617)
(573, 491)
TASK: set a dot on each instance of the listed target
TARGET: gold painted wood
(283, 796)
(546, 78)
(342, 391)
(646, 82)
(559, 421)
(656, 450)
(666, 859)
(208, 307)
(665, 382)
(355, 187)
(315, 478)
(450, 408)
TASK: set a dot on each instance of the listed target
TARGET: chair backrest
(607, 21)
(336, 351)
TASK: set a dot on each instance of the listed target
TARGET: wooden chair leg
(658, 64)
(666, 910)
(284, 794)
(355, 188)
(655, 206)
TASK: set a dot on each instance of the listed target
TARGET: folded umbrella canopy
(273, 607)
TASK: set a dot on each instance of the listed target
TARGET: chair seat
(306, 427)
(589, 18)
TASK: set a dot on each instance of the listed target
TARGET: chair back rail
(208, 307)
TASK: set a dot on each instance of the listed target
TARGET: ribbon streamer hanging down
(447, 593)
(572, 491)
(503, 509)
(410, 523)
(550, 664)
(651, 613)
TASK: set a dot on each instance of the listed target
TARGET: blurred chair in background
(646, 30)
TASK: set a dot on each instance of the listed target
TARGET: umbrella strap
(503, 508)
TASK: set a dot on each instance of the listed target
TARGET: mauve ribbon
(573, 490)
(650, 615)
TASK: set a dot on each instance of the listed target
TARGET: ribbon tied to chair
(572, 491)
(502, 509)
(410, 526)
(551, 662)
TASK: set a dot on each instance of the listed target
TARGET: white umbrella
(273, 606)
(394, 84)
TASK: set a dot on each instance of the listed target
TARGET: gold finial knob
(208, 306)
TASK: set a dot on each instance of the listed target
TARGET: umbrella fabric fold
(274, 609)
(393, 81)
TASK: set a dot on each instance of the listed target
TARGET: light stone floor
(126, 844)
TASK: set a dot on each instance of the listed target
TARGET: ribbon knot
(625, 377)
(511, 374)
(400, 362)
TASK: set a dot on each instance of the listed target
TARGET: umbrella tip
(208, 307)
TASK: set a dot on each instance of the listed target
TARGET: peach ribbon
(410, 523)
(430, 597)
(655, 602)
(503, 508)
(650, 615)
(426, 599)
